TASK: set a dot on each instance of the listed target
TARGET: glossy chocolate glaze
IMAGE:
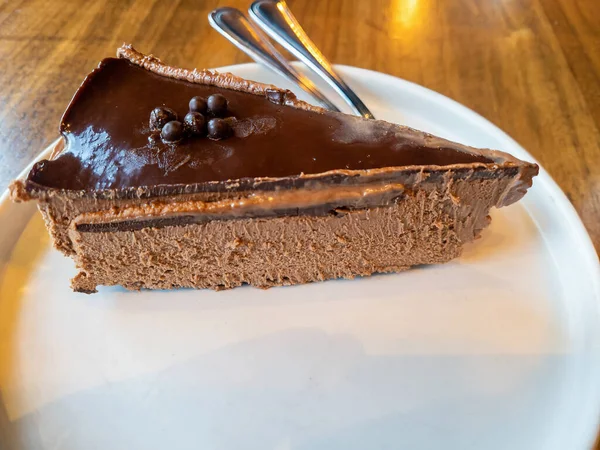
(107, 133)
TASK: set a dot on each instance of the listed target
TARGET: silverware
(276, 19)
(232, 24)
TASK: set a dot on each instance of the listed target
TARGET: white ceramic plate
(497, 350)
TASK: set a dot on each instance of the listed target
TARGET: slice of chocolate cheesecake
(170, 178)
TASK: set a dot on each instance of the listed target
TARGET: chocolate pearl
(195, 123)
(198, 104)
(218, 129)
(160, 116)
(217, 105)
(172, 131)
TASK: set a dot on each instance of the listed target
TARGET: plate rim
(565, 209)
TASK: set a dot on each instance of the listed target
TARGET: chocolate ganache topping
(107, 132)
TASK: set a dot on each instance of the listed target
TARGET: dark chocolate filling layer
(189, 219)
(106, 127)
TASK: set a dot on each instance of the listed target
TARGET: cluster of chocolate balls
(195, 122)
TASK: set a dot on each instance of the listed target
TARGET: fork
(276, 19)
(232, 24)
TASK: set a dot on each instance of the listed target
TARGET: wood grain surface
(530, 66)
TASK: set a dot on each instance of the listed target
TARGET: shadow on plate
(306, 389)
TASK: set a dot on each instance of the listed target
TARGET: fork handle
(234, 26)
(276, 19)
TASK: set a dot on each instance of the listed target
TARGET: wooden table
(530, 66)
